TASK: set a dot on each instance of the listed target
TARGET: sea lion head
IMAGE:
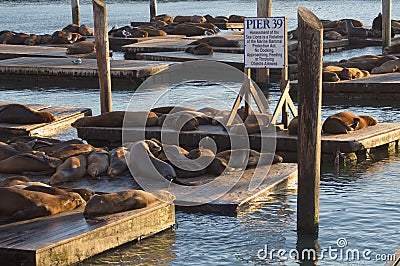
(371, 121)
(153, 147)
(47, 117)
(73, 200)
(92, 170)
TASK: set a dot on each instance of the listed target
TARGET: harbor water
(359, 205)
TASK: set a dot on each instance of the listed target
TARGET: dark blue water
(357, 203)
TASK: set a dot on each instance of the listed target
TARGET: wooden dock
(8, 51)
(69, 237)
(375, 84)
(61, 72)
(357, 143)
(64, 117)
(117, 42)
(395, 260)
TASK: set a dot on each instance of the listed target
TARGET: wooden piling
(386, 23)
(76, 15)
(102, 52)
(264, 8)
(153, 9)
(309, 133)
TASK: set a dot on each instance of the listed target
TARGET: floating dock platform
(69, 237)
(8, 51)
(359, 143)
(388, 83)
(222, 26)
(64, 117)
(61, 72)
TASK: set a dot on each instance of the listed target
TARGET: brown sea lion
(71, 28)
(21, 114)
(48, 148)
(97, 163)
(387, 67)
(200, 49)
(170, 109)
(116, 119)
(86, 194)
(358, 65)
(328, 76)
(118, 163)
(45, 38)
(209, 111)
(125, 200)
(384, 59)
(14, 180)
(33, 39)
(357, 31)
(217, 41)
(195, 19)
(31, 204)
(183, 121)
(22, 147)
(83, 47)
(190, 29)
(218, 19)
(7, 151)
(163, 17)
(247, 158)
(5, 36)
(348, 73)
(236, 19)
(85, 30)
(71, 150)
(392, 49)
(154, 32)
(18, 38)
(333, 69)
(332, 35)
(29, 163)
(73, 168)
(344, 122)
(293, 126)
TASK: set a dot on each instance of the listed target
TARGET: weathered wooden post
(309, 132)
(103, 54)
(386, 23)
(264, 10)
(153, 9)
(76, 16)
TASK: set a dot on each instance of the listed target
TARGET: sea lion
(218, 19)
(143, 163)
(21, 114)
(71, 150)
(85, 30)
(293, 126)
(97, 163)
(31, 204)
(195, 19)
(118, 163)
(182, 121)
(328, 76)
(14, 180)
(71, 28)
(236, 19)
(349, 73)
(354, 31)
(217, 41)
(29, 163)
(18, 38)
(209, 111)
(170, 109)
(83, 47)
(189, 29)
(33, 39)
(356, 64)
(392, 49)
(48, 147)
(116, 119)
(73, 168)
(154, 32)
(383, 59)
(343, 122)
(163, 17)
(253, 123)
(200, 49)
(86, 194)
(125, 200)
(5, 36)
(248, 158)
(28, 184)
(332, 35)
(45, 38)
(7, 151)
(387, 67)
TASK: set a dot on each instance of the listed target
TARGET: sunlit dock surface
(64, 117)
(8, 51)
(69, 237)
(359, 142)
(62, 72)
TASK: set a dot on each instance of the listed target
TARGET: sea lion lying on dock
(125, 200)
(344, 122)
(392, 49)
(163, 17)
(217, 41)
(247, 158)
(357, 31)
(7, 151)
(387, 67)
(195, 19)
(86, 194)
(97, 163)
(73, 168)
(71, 150)
(21, 114)
(200, 49)
(31, 204)
(170, 109)
(182, 121)
(118, 163)
(116, 119)
(83, 47)
(29, 163)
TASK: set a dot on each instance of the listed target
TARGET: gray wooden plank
(7, 50)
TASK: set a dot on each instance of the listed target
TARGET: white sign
(265, 42)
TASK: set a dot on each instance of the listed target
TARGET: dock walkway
(64, 117)
(8, 51)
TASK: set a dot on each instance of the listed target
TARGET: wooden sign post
(76, 16)
(103, 54)
(386, 23)
(310, 51)
(264, 10)
(153, 9)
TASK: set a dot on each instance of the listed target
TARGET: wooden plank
(395, 260)
(69, 237)
(376, 84)
(64, 117)
(88, 68)
(119, 41)
(366, 138)
(11, 51)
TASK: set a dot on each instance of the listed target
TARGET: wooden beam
(264, 10)
(386, 23)
(309, 132)
(76, 13)
(103, 54)
(153, 9)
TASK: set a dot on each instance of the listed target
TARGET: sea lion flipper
(29, 213)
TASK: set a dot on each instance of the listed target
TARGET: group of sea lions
(340, 123)
(22, 199)
(360, 67)
(68, 35)
(164, 24)
(179, 118)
